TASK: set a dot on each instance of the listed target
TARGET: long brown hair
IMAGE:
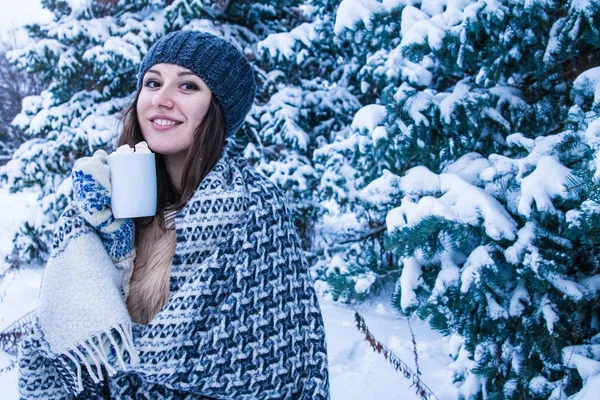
(203, 154)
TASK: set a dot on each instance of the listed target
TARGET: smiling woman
(210, 298)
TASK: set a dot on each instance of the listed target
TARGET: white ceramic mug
(133, 181)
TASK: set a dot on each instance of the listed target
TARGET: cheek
(142, 104)
(200, 112)
(199, 107)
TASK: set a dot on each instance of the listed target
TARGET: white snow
(592, 137)
(545, 183)
(409, 281)
(548, 313)
(587, 84)
(415, 105)
(585, 367)
(281, 45)
(436, 19)
(569, 288)
(337, 265)
(411, 15)
(378, 134)
(468, 167)
(419, 181)
(495, 310)
(517, 139)
(471, 388)
(590, 389)
(369, 117)
(364, 282)
(350, 12)
(99, 29)
(585, 358)
(514, 254)
(519, 299)
(392, 64)
(281, 113)
(448, 104)
(460, 201)
(78, 5)
(357, 373)
(507, 94)
(539, 385)
(390, 5)
(471, 270)
(448, 276)
(112, 48)
(18, 290)
(382, 190)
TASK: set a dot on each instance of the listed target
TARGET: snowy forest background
(440, 153)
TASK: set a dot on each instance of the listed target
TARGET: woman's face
(171, 104)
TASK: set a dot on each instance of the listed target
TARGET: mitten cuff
(119, 240)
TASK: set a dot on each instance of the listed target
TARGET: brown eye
(191, 86)
(151, 83)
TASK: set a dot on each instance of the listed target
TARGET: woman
(211, 298)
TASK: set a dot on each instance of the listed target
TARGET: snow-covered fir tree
(450, 170)
(14, 86)
(466, 160)
(444, 148)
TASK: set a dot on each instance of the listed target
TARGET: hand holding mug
(93, 192)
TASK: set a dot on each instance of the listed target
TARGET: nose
(162, 98)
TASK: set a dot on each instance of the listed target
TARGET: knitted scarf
(242, 320)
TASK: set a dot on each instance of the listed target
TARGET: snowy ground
(357, 373)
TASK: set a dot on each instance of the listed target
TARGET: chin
(166, 149)
(161, 146)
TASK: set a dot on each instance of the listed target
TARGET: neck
(175, 164)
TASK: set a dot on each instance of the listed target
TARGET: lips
(163, 123)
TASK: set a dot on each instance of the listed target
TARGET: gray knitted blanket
(242, 320)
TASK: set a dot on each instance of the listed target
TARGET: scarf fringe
(93, 354)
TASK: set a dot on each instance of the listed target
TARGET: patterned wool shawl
(242, 320)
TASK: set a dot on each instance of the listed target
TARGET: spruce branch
(565, 365)
(421, 388)
(565, 369)
(10, 336)
(414, 342)
(15, 264)
(341, 245)
(9, 367)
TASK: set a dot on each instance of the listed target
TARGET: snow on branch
(460, 201)
(282, 45)
(350, 12)
(545, 183)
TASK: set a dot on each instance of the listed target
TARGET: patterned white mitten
(92, 191)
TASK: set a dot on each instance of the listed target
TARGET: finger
(101, 155)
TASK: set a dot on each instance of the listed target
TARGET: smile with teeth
(165, 122)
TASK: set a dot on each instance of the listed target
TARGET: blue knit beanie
(223, 68)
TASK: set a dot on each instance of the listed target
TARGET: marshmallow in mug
(140, 148)
(133, 181)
